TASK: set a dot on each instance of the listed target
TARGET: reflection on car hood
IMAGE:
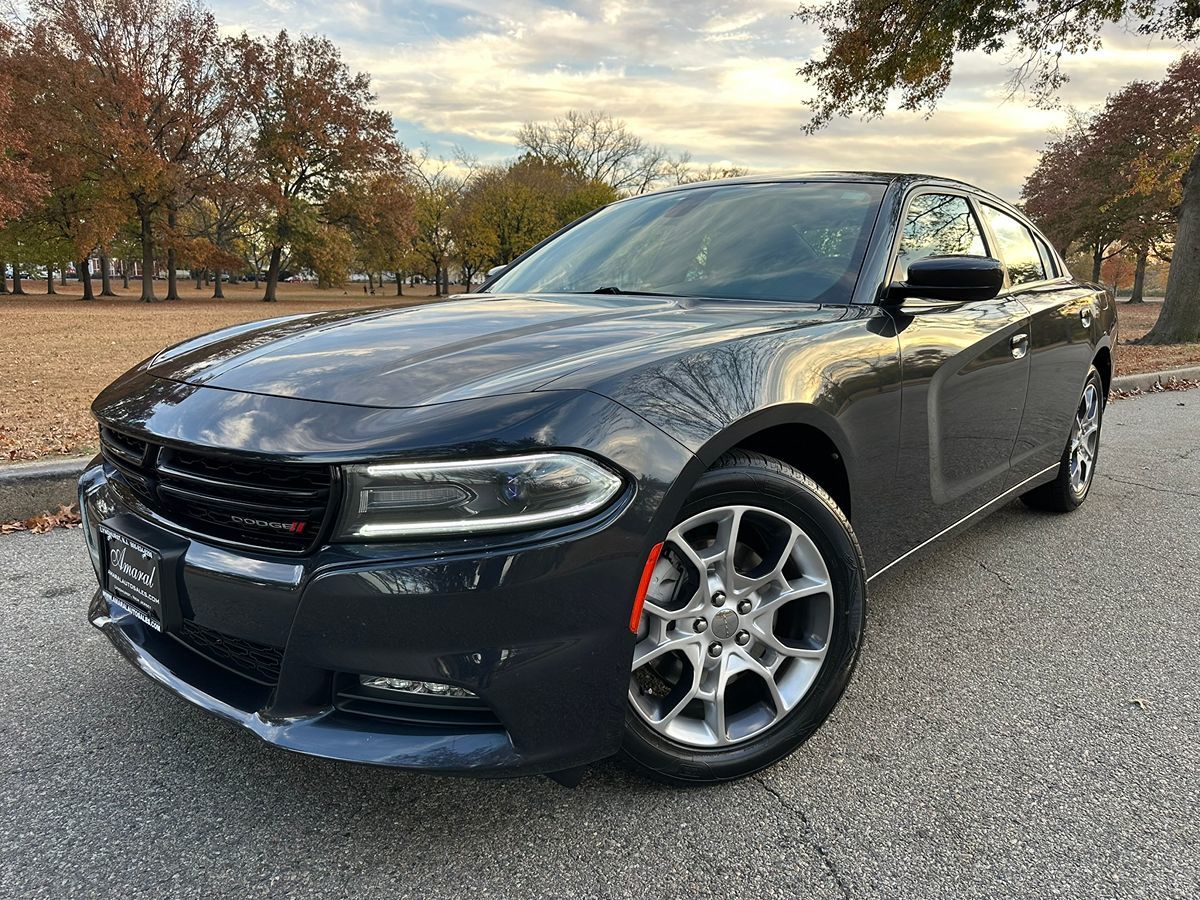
(467, 348)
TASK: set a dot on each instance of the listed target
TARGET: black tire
(1062, 495)
(752, 479)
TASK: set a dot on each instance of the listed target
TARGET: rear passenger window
(1017, 247)
(938, 225)
(1048, 262)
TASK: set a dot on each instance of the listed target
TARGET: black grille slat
(251, 660)
(217, 484)
(261, 509)
(288, 476)
(281, 505)
(127, 449)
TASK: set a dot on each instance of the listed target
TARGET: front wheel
(751, 625)
(1077, 467)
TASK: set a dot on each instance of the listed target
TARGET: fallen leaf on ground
(64, 517)
(1173, 384)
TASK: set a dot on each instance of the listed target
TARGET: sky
(713, 79)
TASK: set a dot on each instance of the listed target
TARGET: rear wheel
(1078, 464)
(751, 626)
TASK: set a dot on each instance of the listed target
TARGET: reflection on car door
(1063, 329)
(965, 375)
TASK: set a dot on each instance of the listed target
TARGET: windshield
(783, 241)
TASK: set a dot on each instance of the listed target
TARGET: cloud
(715, 79)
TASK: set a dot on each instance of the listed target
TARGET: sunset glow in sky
(714, 79)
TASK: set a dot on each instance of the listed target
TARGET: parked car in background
(629, 498)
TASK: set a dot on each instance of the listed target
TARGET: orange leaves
(64, 517)
(18, 184)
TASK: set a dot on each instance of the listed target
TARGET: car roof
(903, 178)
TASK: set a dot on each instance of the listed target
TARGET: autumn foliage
(1125, 178)
(138, 132)
(1112, 185)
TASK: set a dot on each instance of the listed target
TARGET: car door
(965, 373)
(1063, 329)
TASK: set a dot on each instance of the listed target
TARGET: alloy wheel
(1085, 436)
(735, 627)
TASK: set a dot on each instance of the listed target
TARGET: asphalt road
(988, 745)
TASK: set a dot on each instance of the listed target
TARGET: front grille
(258, 662)
(248, 503)
(436, 712)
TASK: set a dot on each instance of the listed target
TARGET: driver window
(938, 225)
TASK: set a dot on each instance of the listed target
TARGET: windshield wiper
(612, 289)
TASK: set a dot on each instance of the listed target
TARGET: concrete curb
(1146, 380)
(27, 489)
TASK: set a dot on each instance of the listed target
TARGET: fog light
(406, 686)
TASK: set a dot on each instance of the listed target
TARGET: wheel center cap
(725, 624)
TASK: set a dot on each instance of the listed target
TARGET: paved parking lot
(1025, 720)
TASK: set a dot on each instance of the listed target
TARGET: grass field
(57, 353)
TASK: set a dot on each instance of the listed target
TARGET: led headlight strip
(424, 499)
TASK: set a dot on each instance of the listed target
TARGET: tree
(864, 60)
(1071, 195)
(437, 191)
(19, 185)
(1120, 271)
(227, 200)
(505, 210)
(684, 171)
(329, 251)
(80, 210)
(1113, 182)
(377, 212)
(597, 147)
(475, 240)
(143, 82)
(314, 129)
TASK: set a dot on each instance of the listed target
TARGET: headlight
(405, 500)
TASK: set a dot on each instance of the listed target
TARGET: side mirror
(956, 278)
(495, 270)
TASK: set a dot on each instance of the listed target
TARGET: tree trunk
(3, 277)
(172, 276)
(199, 279)
(218, 290)
(1179, 321)
(126, 265)
(85, 278)
(1139, 278)
(17, 288)
(106, 276)
(1097, 262)
(399, 284)
(271, 294)
(371, 281)
(50, 280)
(172, 261)
(147, 259)
(62, 274)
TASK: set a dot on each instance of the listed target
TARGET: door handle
(1085, 316)
(1020, 345)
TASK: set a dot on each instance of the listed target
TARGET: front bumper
(536, 627)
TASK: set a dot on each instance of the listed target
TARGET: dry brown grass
(1135, 320)
(57, 353)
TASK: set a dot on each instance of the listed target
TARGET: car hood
(462, 349)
